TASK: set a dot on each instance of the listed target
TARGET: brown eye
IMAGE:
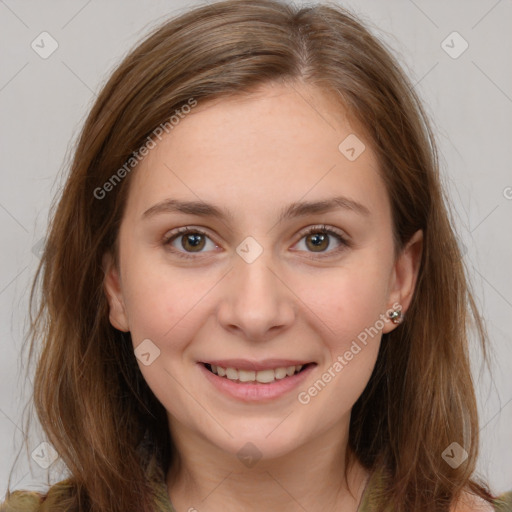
(317, 242)
(193, 242)
(188, 241)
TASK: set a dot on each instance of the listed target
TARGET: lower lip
(251, 392)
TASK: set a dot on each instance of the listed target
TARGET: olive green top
(30, 501)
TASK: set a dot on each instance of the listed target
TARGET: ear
(112, 286)
(404, 277)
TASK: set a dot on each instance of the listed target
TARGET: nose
(256, 301)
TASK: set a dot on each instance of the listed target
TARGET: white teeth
(266, 376)
(280, 373)
(246, 376)
(263, 376)
(231, 373)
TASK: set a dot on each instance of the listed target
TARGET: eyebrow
(297, 209)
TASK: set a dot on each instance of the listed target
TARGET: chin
(261, 441)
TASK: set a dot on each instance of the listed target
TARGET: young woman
(252, 297)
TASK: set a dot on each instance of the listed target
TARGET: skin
(254, 155)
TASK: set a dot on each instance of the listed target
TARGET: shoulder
(20, 501)
(504, 502)
(470, 503)
(59, 498)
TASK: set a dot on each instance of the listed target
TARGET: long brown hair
(89, 394)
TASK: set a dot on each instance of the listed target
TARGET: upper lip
(246, 364)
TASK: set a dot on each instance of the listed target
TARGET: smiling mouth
(251, 376)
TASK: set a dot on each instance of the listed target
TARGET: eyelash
(321, 228)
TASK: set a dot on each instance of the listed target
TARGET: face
(287, 264)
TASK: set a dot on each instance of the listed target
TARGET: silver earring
(396, 316)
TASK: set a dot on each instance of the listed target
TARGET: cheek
(347, 299)
(159, 299)
(164, 306)
(345, 313)
(163, 302)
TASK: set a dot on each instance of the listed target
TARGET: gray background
(43, 103)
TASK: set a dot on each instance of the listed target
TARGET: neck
(312, 477)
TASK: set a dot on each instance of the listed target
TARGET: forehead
(258, 151)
